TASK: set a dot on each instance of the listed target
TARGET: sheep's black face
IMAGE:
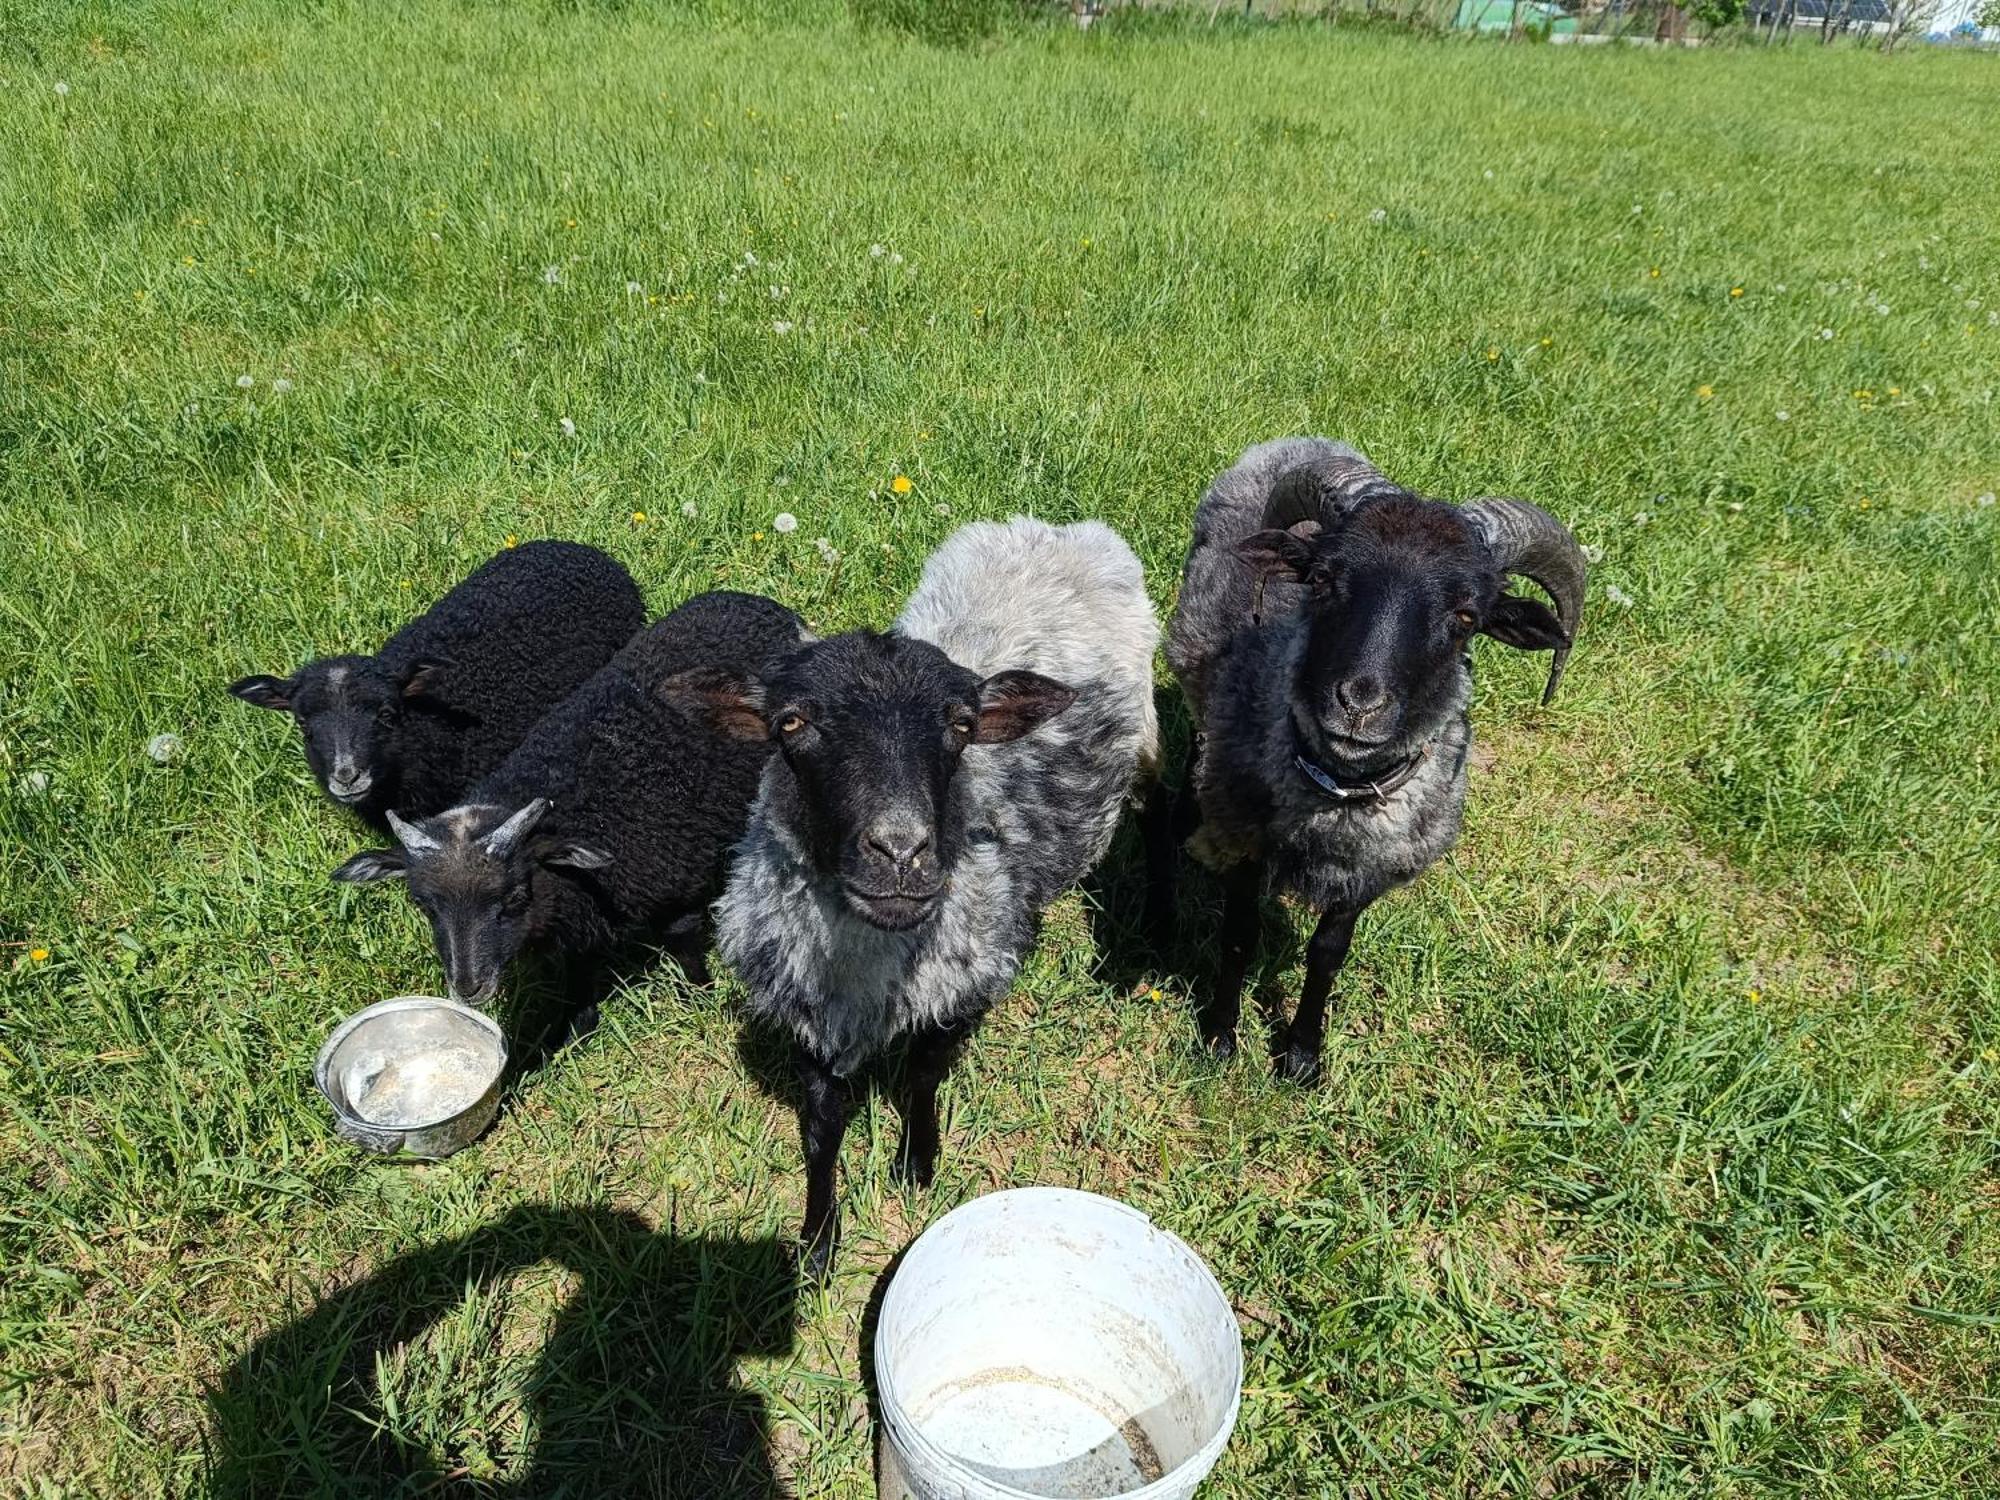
(347, 708)
(471, 872)
(872, 729)
(1394, 595)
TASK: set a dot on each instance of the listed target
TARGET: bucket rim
(908, 1439)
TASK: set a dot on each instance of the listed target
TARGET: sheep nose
(901, 841)
(1361, 695)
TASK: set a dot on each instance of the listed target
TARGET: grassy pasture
(1656, 1152)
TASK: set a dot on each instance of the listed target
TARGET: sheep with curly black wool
(936, 788)
(611, 820)
(1323, 638)
(454, 691)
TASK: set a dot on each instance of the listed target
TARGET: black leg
(687, 944)
(823, 1122)
(583, 989)
(1156, 825)
(930, 1055)
(1187, 802)
(1241, 886)
(1299, 1061)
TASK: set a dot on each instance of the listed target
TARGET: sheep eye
(791, 724)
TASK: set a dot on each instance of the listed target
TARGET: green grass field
(1659, 1145)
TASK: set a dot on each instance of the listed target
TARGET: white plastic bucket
(1049, 1343)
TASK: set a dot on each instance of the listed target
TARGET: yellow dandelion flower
(569, 223)
(638, 518)
(901, 484)
(1864, 395)
(41, 956)
(1704, 391)
(1654, 273)
(1547, 342)
(187, 260)
(1989, 1054)
(1492, 355)
(1736, 291)
(1895, 390)
(1864, 502)
(402, 583)
(1154, 994)
(1756, 996)
(512, 540)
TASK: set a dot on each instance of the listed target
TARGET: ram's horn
(1323, 489)
(501, 841)
(410, 836)
(1528, 542)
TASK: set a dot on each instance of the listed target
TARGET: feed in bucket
(1053, 1344)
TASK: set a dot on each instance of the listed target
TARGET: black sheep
(611, 820)
(454, 691)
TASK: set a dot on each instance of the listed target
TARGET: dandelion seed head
(828, 553)
(878, 250)
(1617, 596)
(281, 385)
(1784, 416)
(62, 91)
(36, 782)
(162, 748)
(1377, 215)
(552, 275)
(244, 382)
(633, 289)
(780, 326)
(568, 426)
(688, 509)
(784, 523)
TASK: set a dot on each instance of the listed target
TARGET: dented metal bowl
(413, 1076)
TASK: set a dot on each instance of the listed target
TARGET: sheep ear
(1527, 624)
(371, 865)
(1273, 552)
(573, 856)
(423, 677)
(733, 703)
(264, 691)
(1013, 703)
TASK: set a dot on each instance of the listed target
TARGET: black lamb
(612, 819)
(454, 691)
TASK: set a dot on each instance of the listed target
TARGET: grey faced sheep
(1323, 639)
(452, 692)
(936, 788)
(610, 821)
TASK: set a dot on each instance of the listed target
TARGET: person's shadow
(633, 1392)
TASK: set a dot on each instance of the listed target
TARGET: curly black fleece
(628, 773)
(509, 643)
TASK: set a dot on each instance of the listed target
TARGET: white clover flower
(162, 748)
(895, 257)
(36, 782)
(1489, 174)
(62, 91)
(244, 382)
(1736, 507)
(1826, 333)
(780, 326)
(784, 523)
(1593, 555)
(1784, 416)
(1618, 596)
(878, 250)
(1638, 208)
(701, 377)
(568, 427)
(281, 385)
(1642, 518)
(749, 257)
(1985, 501)
(779, 293)
(633, 289)
(1923, 262)
(828, 553)
(1974, 303)
(688, 509)
(1377, 215)
(552, 275)
(721, 297)
(1781, 286)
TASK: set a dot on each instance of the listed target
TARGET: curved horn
(1529, 542)
(1324, 489)
(410, 836)
(501, 841)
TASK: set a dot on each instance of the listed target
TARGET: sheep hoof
(1220, 1045)
(1297, 1064)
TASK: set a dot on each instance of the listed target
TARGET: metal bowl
(415, 1076)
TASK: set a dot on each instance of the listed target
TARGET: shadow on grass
(633, 1392)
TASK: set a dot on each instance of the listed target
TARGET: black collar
(1368, 788)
